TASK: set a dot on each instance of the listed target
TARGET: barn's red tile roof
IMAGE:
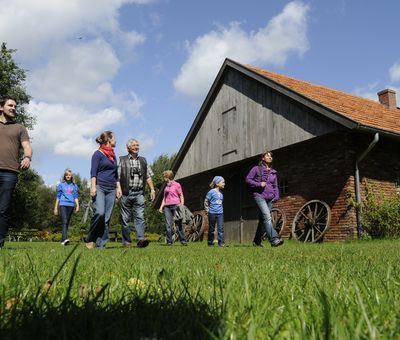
(364, 111)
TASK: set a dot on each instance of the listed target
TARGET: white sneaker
(64, 243)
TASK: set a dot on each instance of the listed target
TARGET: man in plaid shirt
(134, 173)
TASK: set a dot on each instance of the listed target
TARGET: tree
(32, 202)
(153, 219)
(12, 79)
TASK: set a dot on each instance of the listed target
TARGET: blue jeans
(8, 181)
(169, 211)
(212, 219)
(103, 205)
(65, 214)
(133, 204)
(265, 221)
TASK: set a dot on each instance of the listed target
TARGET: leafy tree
(12, 79)
(32, 202)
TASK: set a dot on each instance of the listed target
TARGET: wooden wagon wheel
(278, 221)
(311, 221)
(195, 229)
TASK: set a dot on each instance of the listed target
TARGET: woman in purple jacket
(263, 182)
(104, 187)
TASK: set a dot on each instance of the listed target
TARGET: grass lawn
(297, 291)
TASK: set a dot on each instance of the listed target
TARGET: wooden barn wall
(245, 118)
(321, 168)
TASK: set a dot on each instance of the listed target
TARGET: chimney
(387, 97)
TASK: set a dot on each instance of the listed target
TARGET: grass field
(297, 291)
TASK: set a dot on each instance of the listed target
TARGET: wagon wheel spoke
(308, 234)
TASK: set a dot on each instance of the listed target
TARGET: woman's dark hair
(104, 137)
(263, 154)
(4, 99)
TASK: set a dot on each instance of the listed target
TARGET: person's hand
(152, 195)
(25, 163)
(119, 193)
(77, 208)
(55, 211)
(263, 184)
(160, 210)
(93, 192)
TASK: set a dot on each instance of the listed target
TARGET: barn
(327, 145)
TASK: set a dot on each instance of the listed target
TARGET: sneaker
(277, 243)
(221, 245)
(65, 242)
(257, 244)
(143, 243)
(90, 245)
(184, 244)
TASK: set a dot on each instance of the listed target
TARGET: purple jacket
(258, 174)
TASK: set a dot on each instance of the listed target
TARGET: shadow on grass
(133, 319)
(158, 313)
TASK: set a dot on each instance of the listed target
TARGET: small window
(283, 186)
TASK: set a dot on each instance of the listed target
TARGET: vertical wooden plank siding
(262, 119)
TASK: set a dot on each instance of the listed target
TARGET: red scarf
(108, 151)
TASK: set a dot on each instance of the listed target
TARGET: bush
(381, 216)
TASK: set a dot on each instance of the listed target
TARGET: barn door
(230, 132)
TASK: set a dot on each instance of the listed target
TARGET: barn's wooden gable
(245, 117)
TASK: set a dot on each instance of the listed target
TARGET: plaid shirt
(136, 180)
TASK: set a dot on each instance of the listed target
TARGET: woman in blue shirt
(104, 187)
(67, 199)
(215, 210)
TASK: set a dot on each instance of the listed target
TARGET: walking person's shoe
(90, 245)
(277, 243)
(143, 243)
(257, 244)
(65, 242)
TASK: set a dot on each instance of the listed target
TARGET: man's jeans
(65, 214)
(265, 221)
(169, 212)
(8, 181)
(212, 219)
(133, 204)
(103, 205)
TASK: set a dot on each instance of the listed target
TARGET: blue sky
(142, 68)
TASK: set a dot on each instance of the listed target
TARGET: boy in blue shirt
(214, 208)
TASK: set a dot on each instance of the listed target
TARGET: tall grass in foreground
(313, 291)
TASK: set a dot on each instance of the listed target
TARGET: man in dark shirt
(13, 136)
(133, 175)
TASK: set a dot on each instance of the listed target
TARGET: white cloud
(394, 73)
(69, 130)
(76, 73)
(368, 91)
(284, 35)
(33, 26)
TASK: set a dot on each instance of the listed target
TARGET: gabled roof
(348, 110)
(361, 110)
